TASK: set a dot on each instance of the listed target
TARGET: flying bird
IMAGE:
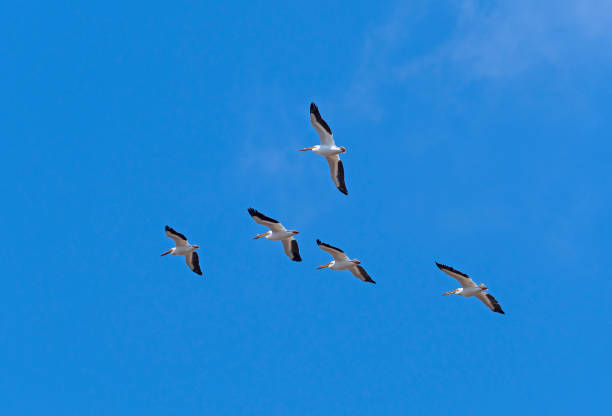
(277, 233)
(183, 248)
(469, 288)
(328, 148)
(342, 262)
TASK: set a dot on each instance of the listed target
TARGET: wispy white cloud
(267, 134)
(486, 42)
(515, 36)
(594, 17)
(376, 58)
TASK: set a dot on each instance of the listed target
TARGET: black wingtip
(251, 211)
(319, 242)
(343, 190)
(313, 108)
(295, 251)
(196, 264)
(495, 303)
(168, 228)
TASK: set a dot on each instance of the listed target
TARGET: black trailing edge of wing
(340, 174)
(365, 275)
(450, 269)
(320, 243)
(176, 233)
(255, 213)
(315, 111)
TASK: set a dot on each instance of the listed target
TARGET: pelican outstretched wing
(291, 249)
(262, 219)
(360, 273)
(463, 279)
(179, 239)
(491, 302)
(193, 261)
(335, 252)
(336, 171)
(325, 133)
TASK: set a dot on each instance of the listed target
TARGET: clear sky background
(478, 135)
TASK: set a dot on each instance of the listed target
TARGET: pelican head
(342, 149)
(452, 292)
(308, 148)
(167, 252)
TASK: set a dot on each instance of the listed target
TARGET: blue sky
(477, 136)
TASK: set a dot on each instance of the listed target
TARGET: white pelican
(468, 288)
(183, 248)
(277, 233)
(342, 262)
(328, 148)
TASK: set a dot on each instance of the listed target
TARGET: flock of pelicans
(277, 232)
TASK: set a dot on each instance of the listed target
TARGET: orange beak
(452, 292)
(259, 236)
(306, 148)
(324, 266)
(167, 252)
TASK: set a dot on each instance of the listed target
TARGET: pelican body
(340, 265)
(468, 292)
(277, 235)
(181, 250)
(326, 150)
